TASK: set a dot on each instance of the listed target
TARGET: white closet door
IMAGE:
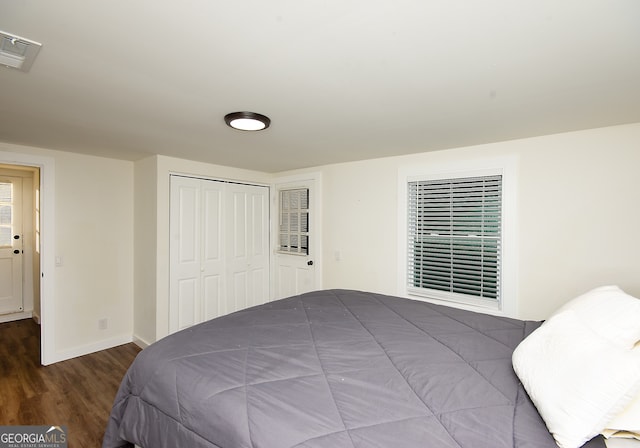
(185, 254)
(247, 236)
(219, 249)
(213, 255)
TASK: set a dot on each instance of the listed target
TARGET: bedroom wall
(94, 240)
(94, 237)
(578, 215)
(145, 250)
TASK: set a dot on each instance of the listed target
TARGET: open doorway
(43, 239)
(19, 243)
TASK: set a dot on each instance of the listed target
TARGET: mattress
(332, 369)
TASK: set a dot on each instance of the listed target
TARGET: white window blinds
(454, 237)
(6, 214)
(294, 221)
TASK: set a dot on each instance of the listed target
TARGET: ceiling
(341, 80)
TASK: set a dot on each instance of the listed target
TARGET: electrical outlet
(103, 324)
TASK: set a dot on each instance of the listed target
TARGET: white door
(247, 239)
(296, 251)
(218, 251)
(185, 254)
(213, 250)
(197, 266)
(11, 300)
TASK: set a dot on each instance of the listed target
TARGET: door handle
(310, 263)
(16, 237)
(16, 251)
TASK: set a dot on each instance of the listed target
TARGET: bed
(332, 369)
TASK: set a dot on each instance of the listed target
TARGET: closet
(219, 249)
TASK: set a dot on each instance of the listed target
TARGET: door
(196, 252)
(296, 243)
(247, 241)
(219, 248)
(11, 300)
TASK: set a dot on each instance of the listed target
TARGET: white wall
(94, 236)
(145, 250)
(578, 214)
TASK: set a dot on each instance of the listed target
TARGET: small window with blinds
(454, 239)
(6, 212)
(294, 222)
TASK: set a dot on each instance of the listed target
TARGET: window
(459, 228)
(6, 211)
(294, 221)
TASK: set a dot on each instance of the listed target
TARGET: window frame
(504, 166)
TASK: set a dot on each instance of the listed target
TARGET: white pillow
(610, 312)
(578, 379)
(627, 423)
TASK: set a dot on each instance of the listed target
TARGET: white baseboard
(63, 355)
(140, 342)
(15, 316)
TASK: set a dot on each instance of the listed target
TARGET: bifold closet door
(219, 249)
(196, 251)
(247, 245)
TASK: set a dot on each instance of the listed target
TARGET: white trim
(218, 179)
(93, 347)
(15, 316)
(507, 166)
(47, 247)
(140, 342)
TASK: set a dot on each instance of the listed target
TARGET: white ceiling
(341, 80)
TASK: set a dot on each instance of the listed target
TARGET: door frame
(313, 181)
(47, 246)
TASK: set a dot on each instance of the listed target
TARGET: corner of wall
(145, 231)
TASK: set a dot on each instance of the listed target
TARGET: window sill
(480, 306)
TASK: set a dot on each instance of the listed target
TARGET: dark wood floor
(77, 393)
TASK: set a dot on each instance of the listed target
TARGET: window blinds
(454, 236)
(294, 221)
(6, 211)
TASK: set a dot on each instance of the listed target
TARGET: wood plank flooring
(77, 393)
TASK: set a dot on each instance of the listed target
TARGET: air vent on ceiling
(17, 52)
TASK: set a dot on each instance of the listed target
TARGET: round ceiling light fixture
(247, 121)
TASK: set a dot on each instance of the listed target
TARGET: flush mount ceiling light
(17, 52)
(247, 121)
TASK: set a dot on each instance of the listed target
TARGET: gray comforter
(332, 369)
